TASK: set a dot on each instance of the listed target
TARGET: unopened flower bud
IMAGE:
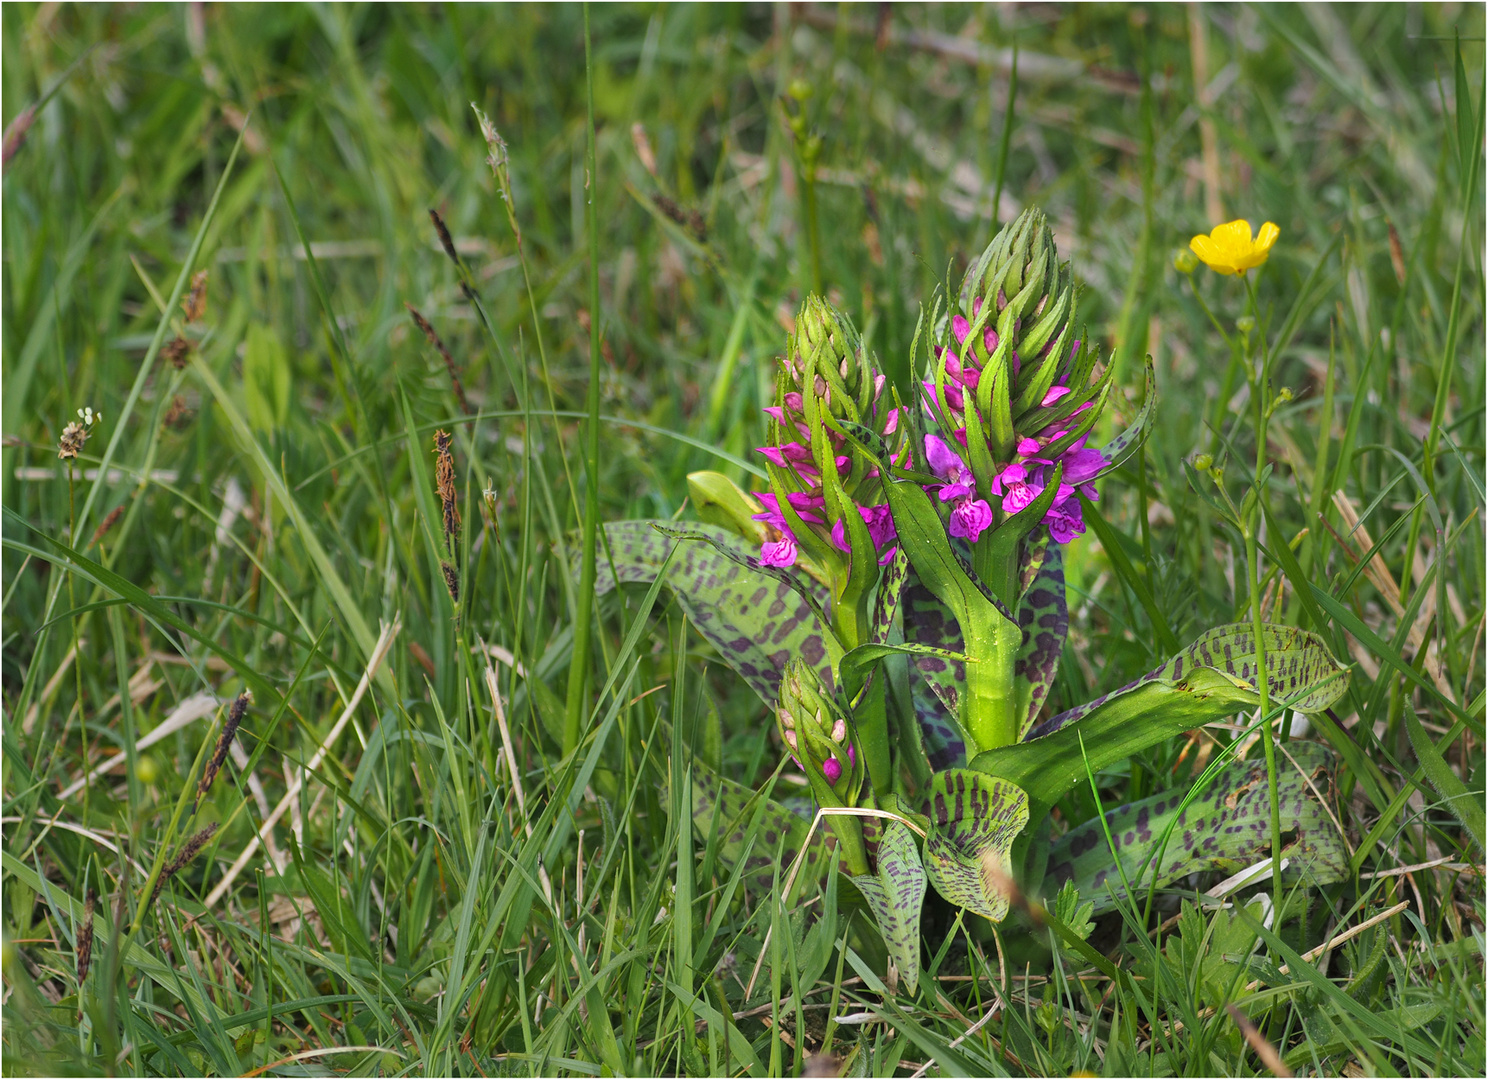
(1203, 462)
(819, 735)
(1185, 262)
(1245, 323)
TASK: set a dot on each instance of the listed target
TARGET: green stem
(850, 835)
(578, 670)
(1252, 558)
(813, 238)
(989, 712)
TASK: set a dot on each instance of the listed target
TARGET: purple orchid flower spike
(1012, 385)
(826, 500)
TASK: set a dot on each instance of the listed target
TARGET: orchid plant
(897, 596)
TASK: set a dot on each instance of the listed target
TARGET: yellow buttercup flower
(1230, 249)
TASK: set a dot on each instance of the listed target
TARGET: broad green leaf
(1044, 619)
(895, 895)
(1212, 678)
(731, 552)
(755, 621)
(974, 820)
(1225, 827)
(858, 664)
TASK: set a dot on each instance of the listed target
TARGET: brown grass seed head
(444, 480)
(106, 524)
(178, 415)
(176, 351)
(449, 361)
(444, 236)
(235, 714)
(195, 304)
(188, 851)
(451, 580)
(74, 435)
(85, 938)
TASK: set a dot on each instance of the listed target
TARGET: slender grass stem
(1251, 526)
(578, 671)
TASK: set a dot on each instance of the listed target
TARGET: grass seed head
(444, 236)
(188, 851)
(106, 524)
(235, 714)
(85, 938)
(449, 361)
(74, 435)
(444, 480)
(451, 580)
(178, 415)
(176, 351)
(195, 304)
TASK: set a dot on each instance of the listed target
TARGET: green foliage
(1221, 823)
(894, 893)
(974, 820)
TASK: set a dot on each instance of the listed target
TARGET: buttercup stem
(1252, 558)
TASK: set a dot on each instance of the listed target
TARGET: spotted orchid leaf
(756, 621)
(974, 819)
(732, 811)
(890, 592)
(895, 895)
(1212, 678)
(1225, 826)
(731, 552)
(937, 692)
(1043, 617)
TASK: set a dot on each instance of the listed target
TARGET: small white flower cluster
(75, 434)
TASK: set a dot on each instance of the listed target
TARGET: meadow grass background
(418, 915)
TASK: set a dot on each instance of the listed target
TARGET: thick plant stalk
(578, 671)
